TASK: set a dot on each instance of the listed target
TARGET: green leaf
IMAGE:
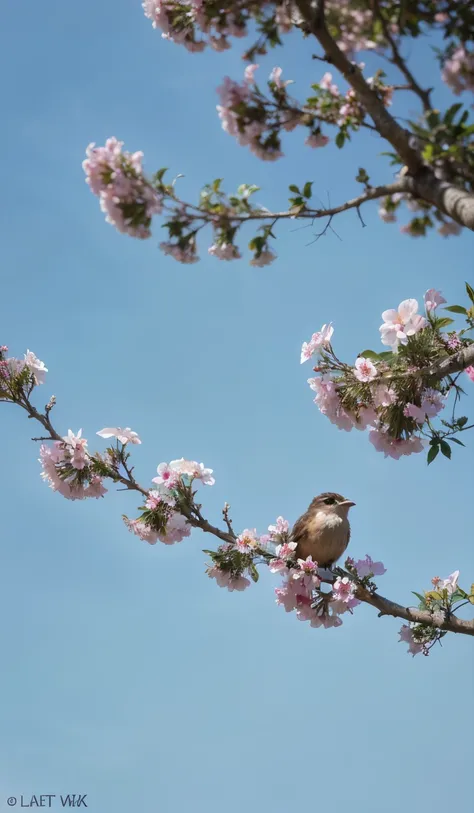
(462, 421)
(370, 354)
(421, 598)
(294, 189)
(470, 292)
(386, 355)
(340, 139)
(433, 452)
(451, 112)
(456, 309)
(459, 442)
(472, 589)
(254, 574)
(160, 173)
(307, 189)
(444, 322)
(445, 448)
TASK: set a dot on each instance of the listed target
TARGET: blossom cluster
(444, 597)
(256, 120)
(162, 518)
(387, 393)
(234, 566)
(29, 366)
(458, 70)
(127, 198)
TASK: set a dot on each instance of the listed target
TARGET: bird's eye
(329, 501)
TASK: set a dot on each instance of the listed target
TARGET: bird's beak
(347, 502)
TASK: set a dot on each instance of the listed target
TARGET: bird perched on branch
(323, 531)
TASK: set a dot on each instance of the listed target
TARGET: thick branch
(442, 621)
(450, 199)
(313, 14)
(454, 364)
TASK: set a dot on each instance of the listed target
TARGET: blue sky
(127, 674)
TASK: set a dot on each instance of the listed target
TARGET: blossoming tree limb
(170, 511)
(435, 153)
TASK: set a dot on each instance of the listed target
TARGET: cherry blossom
(318, 341)
(123, 435)
(226, 579)
(225, 251)
(406, 636)
(343, 592)
(167, 476)
(450, 584)
(470, 372)
(247, 541)
(395, 447)
(433, 299)
(364, 370)
(266, 257)
(401, 323)
(367, 566)
(77, 446)
(36, 367)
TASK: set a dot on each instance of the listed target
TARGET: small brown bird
(323, 531)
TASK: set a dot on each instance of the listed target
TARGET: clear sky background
(127, 674)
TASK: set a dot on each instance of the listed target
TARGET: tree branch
(453, 364)
(313, 14)
(442, 621)
(398, 60)
(371, 193)
(193, 515)
(450, 199)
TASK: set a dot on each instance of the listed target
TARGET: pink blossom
(126, 197)
(225, 251)
(433, 298)
(395, 447)
(328, 401)
(123, 435)
(343, 592)
(54, 459)
(406, 636)
(326, 83)
(275, 77)
(367, 566)
(140, 529)
(458, 71)
(316, 140)
(365, 370)
(95, 488)
(247, 541)
(386, 215)
(367, 417)
(281, 527)
(470, 372)
(400, 324)
(452, 341)
(177, 528)
(194, 470)
(383, 396)
(318, 341)
(36, 367)
(249, 73)
(77, 446)
(450, 584)
(167, 477)
(265, 257)
(225, 579)
(185, 255)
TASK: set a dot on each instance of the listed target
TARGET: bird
(323, 531)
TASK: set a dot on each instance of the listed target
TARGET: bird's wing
(299, 528)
